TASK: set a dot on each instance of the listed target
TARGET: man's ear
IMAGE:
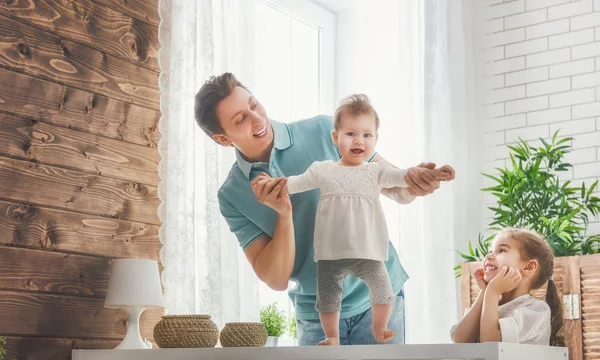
(222, 139)
(335, 137)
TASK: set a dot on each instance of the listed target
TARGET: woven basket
(186, 331)
(244, 334)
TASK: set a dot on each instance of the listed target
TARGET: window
(294, 59)
(294, 73)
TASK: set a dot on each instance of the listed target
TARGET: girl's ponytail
(556, 319)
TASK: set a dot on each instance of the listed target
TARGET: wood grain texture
(57, 230)
(47, 315)
(41, 54)
(91, 24)
(465, 278)
(590, 305)
(32, 348)
(53, 272)
(55, 145)
(143, 10)
(572, 285)
(76, 109)
(23, 181)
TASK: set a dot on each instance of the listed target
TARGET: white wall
(543, 69)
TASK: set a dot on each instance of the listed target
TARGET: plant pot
(272, 341)
(186, 331)
(243, 334)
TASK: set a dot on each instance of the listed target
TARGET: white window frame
(324, 19)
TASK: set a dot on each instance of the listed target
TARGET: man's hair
(355, 105)
(208, 98)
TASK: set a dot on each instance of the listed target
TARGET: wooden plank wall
(79, 110)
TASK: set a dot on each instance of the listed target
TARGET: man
(279, 246)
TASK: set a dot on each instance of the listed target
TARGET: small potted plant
(291, 327)
(2, 350)
(274, 321)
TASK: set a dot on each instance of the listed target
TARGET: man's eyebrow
(237, 113)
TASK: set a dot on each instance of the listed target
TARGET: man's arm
(273, 259)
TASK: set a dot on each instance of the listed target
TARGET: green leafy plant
(273, 319)
(530, 195)
(291, 327)
(475, 253)
(2, 350)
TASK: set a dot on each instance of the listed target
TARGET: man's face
(245, 124)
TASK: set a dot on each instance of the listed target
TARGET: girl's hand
(480, 278)
(506, 280)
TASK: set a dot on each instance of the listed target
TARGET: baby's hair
(533, 246)
(355, 105)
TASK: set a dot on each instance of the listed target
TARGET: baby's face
(356, 138)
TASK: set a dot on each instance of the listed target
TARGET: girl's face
(503, 252)
(356, 138)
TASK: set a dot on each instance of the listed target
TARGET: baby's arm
(390, 176)
(304, 182)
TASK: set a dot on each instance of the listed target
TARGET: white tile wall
(568, 10)
(548, 28)
(527, 76)
(585, 21)
(571, 68)
(571, 38)
(525, 19)
(526, 47)
(548, 87)
(543, 75)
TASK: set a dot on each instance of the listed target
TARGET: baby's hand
(449, 171)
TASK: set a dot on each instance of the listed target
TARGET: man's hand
(422, 182)
(273, 193)
(506, 280)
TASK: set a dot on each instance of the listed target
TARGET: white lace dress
(350, 223)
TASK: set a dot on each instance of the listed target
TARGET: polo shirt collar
(282, 140)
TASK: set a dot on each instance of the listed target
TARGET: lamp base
(133, 338)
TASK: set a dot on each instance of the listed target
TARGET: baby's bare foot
(383, 335)
(330, 341)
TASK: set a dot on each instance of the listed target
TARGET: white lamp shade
(134, 282)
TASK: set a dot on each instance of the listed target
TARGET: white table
(487, 351)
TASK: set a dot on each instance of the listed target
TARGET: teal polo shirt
(296, 147)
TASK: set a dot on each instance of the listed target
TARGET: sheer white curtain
(421, 77)
(445, 119)
(204, 272)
